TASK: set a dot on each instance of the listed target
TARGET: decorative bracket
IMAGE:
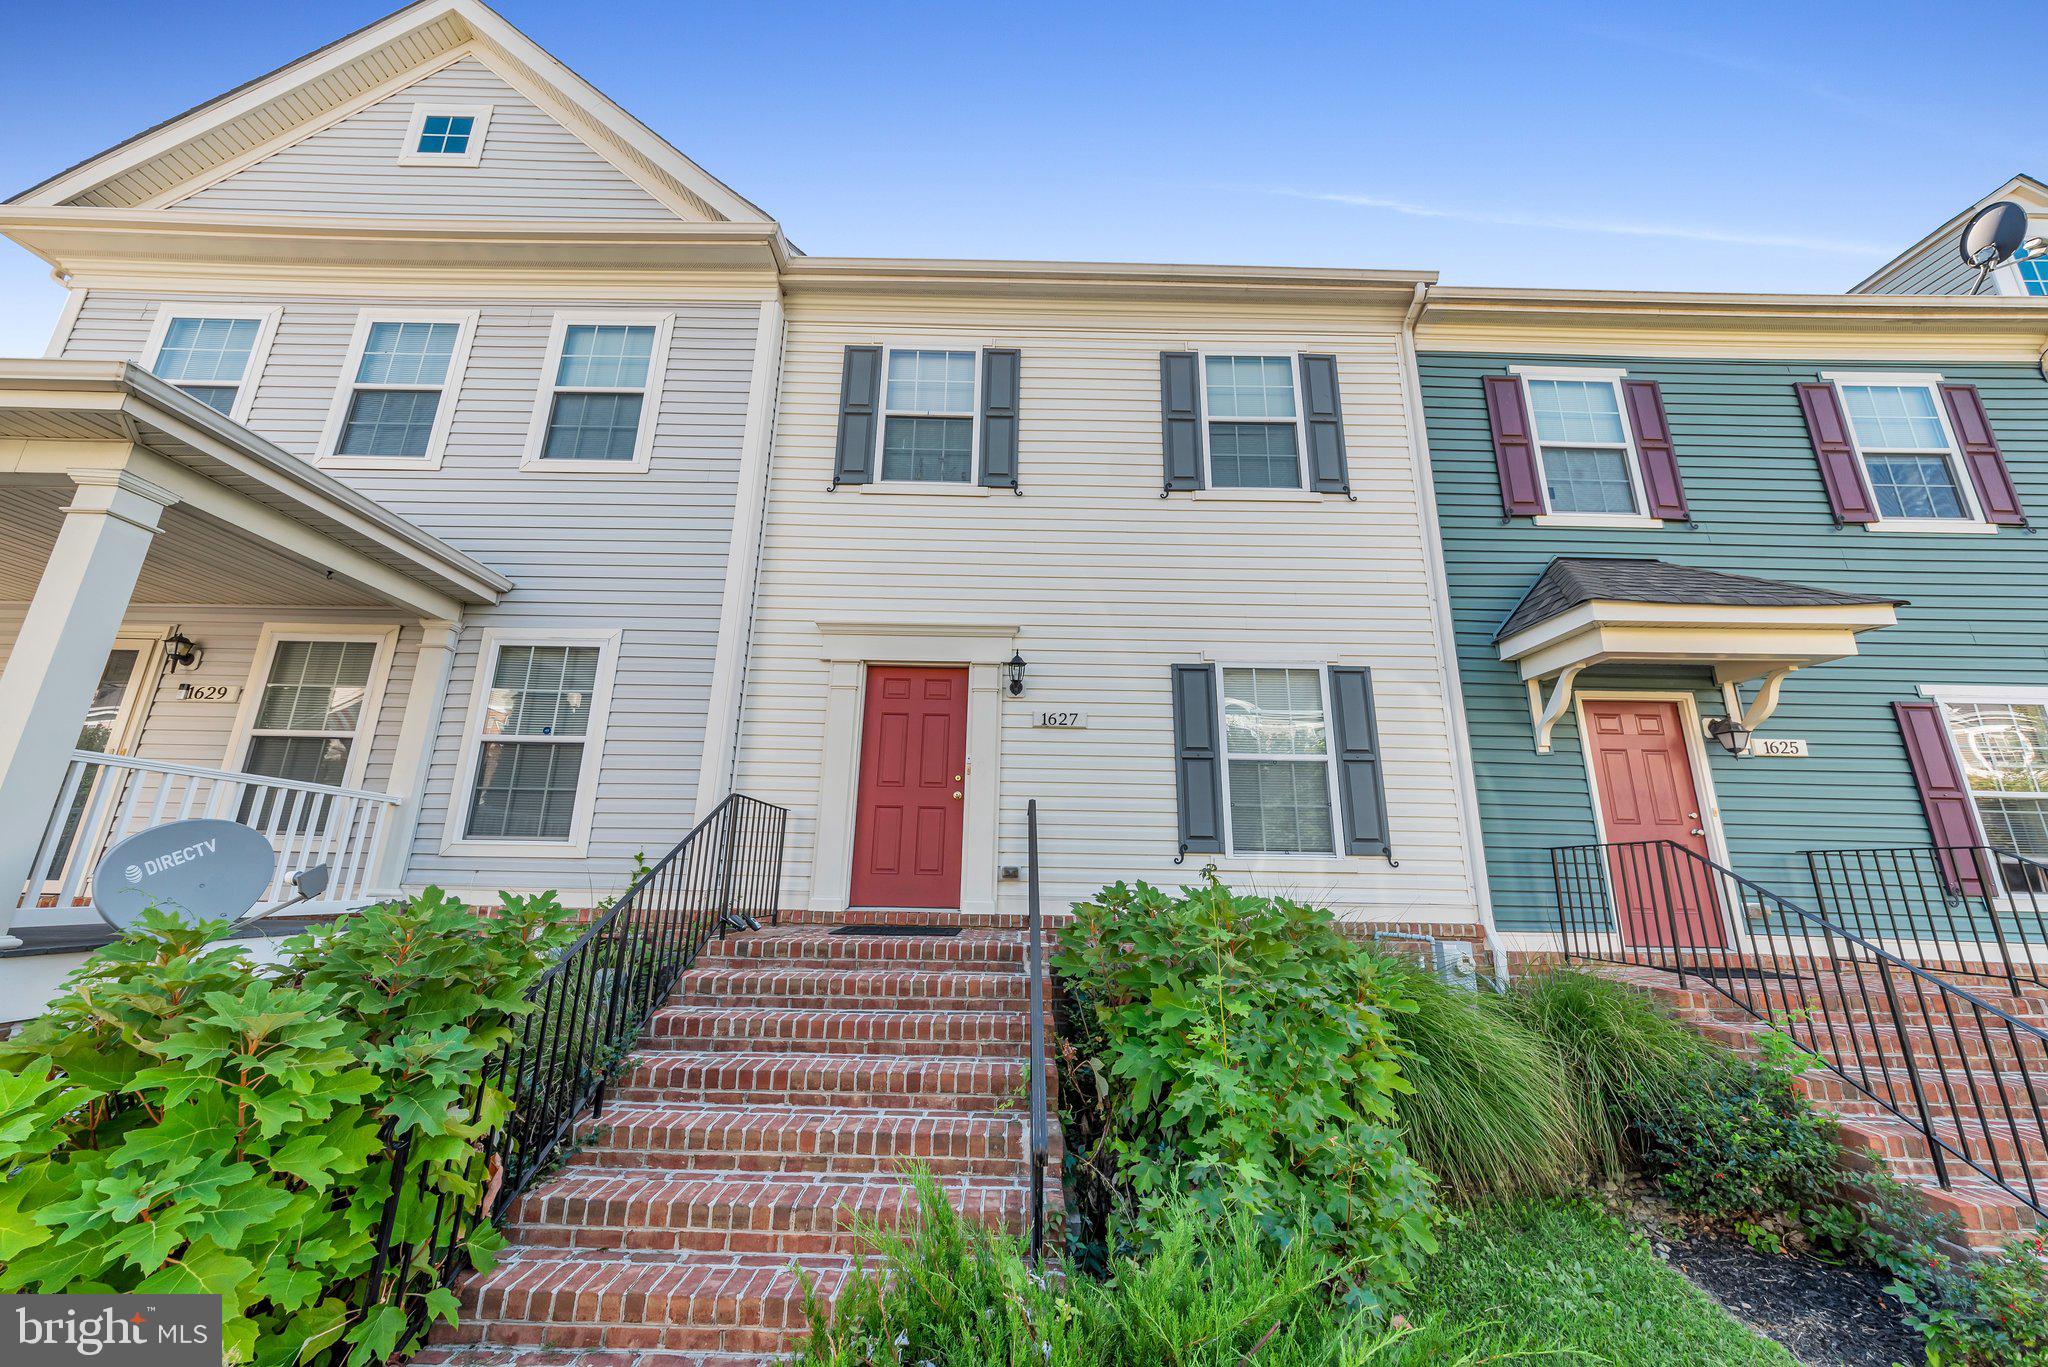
(1766, 701)
(1544, 715)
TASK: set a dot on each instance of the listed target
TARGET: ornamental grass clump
(183, 1119)
(1240, 1049)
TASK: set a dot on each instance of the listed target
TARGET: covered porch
(196, 623)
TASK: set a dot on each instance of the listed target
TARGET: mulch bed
(1824, 1315)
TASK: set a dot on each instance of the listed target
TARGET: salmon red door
(1647, 791)
(909, 817)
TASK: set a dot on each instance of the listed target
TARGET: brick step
(807, 1139)
(1996, 1047)
(780, 1079)
(852, 989)
(1990, 1216)
(486, 1355)
(734, 1304)
(657, 1214)
(1968, 1091)
(911, 1033)
(2008, 1151)
(992, 950)
(922, 916)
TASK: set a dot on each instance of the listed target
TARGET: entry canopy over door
(1585, 612)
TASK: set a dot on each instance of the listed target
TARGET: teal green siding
(1977, 614)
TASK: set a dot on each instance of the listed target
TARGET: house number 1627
(1060, 720)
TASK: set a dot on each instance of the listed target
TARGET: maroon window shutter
(1661, 485)
(1943, 792)
(1829, 428)
(1995, 494)
(1514, 447)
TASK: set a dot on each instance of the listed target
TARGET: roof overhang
(1393, 291)
(1739, 643)
(57, 416)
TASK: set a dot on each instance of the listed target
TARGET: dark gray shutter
(1198, 763)
(1361, 785)
(1324, 413)
(1180, 406)
(860, 392)
(999, 418)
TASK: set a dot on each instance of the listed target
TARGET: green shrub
(1491, 1109)
(1240, 1047)
(183, 1120)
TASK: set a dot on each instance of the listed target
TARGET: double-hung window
(601, 393)
(2003, 747)
(530, 762)
(316, 695)
(213, 356)
(1252, 422)
(928, 408)
(445, 135)
(1909, 456)
(1276, 750)
(2033, 274)
(1583, 453)
(399, 389)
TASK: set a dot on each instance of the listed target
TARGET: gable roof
(2025, 187)
(235, 128)
(1568, 582)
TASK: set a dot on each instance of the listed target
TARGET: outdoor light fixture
(1016, 668)
(1732, 734)
(180, 650)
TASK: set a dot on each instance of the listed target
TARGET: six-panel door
(1644, 782)
(913, 767)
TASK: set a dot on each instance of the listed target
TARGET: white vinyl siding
(1107, 587)
(530, 166)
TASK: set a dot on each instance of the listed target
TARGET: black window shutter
(999, 369)
(860, 392)
(1360, 782)
(1198, 763)
(1324, 412)
(1180, 406)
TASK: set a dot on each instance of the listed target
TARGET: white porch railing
(106, 798)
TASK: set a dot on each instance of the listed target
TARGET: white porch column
(417, 731)
(60, 653)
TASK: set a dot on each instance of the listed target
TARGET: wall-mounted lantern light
(1732, 734)
(181, 651)
(1016, 668)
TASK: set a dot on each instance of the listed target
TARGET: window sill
(1289, 863)
(1258, 496)
(1640, 521)
(585, 467)
(432, 462)
(933, 489)
(1931, 526)
(509, 849)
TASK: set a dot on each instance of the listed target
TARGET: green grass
(1565, 1282)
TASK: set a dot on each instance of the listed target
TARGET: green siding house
(1642, 524)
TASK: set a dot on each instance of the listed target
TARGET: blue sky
(1733, 146)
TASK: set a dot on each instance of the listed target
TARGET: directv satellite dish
(1991, 237)
(211, 870)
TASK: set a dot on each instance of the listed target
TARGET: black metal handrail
(1964, 909)
(1966, 1074)
(1041, 1127)
(591, 1006)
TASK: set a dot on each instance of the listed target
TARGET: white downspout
(1447, 637)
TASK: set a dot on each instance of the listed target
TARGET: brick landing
(770, 1106)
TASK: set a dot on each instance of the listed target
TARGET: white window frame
(1256, 491)
(444, 414)
(1223, 753)
(650, 402)
(884, 413)
(1632, 456)
(259, 350)
(454, 832)
(383, 636)
(1972, 522)
(1945, 695)
(409, 153)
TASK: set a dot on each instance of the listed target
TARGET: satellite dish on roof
(1992, 237)
(209, 869)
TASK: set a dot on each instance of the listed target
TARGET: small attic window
(445, 135)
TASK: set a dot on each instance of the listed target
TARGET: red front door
(913, 763)
(1646, 790)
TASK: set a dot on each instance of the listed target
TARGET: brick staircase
(1982, 1101)
(772, 1104)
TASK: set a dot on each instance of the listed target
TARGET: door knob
(1695, 830)
(956, 794)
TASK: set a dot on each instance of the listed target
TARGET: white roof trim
(1740, 642)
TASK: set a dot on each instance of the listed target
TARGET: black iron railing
(1951, 909)
(591, 1006)
(1041, 1125)
(1968, 1075)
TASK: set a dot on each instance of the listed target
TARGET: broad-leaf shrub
(182, 1119)
(1238, 1047)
